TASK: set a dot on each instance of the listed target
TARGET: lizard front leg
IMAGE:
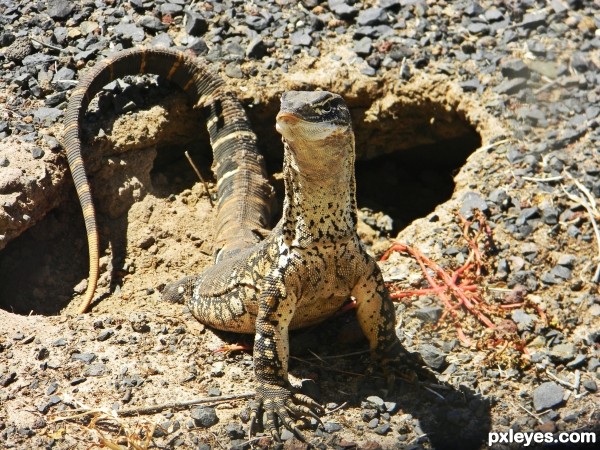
(274, 393)
(377, 319)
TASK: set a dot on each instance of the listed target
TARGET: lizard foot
(397, 363)
(280, 404)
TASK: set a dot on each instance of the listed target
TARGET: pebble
(60, 9)
(563, 352)
(432, 356)
(300, 37)
(523, 320)
(590, 385)
(371, 16)
(547, 395)
(470, 202)
(332, 427)
(87, 358)
(429, 314)
(204, 416)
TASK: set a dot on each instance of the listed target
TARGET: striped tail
(243, 191)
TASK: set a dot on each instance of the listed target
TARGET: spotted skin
(306, 268)
(244, 194)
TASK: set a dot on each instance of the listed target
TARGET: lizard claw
(281, 405)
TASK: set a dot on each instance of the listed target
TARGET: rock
(95, 370)
(152, 23)
(590, 385)
(300, 37)
(19, 49)
(429, 314)
(204, 416)
(371, 16)
(547, 395)
(332, 427)
(511, 86)
(47, 116)
(563, 352)
(478, 28)
(470, 202)
(130, 31)
(85, 357)
(256, 48)
(562, 272)
(363, 46)
(523, 320)
(233, 70)
(195, 24)
(384, 429)
(534, 19)
(432, 356)
(60, 9)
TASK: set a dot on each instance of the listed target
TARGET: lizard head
(317, 128)
(312, 115)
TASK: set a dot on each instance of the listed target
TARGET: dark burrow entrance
(409, 172)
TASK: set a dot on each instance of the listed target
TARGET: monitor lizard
(306, 268)
(243, 191)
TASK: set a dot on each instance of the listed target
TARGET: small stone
(478, 28)
(300, 37)
(235, 430)
(363, 46)
(579, 62)
(384, 429)
(342, 9)
(511, 86)
(562, 272)
(95, 370)
(151, 23)
(258, 23)
(105, 335)
(332, 427)
(195, 24)
(60, 9)
(534, 19)
(563, 352)
(59, 342)
(514, 68)
(256, 48)
(139, 322)
(130, 31)
(84, 357)
(547, 395)
(377, 401)
(590, 385)
(204, 416)
(429, 314)
(470, 202)
(233, 70)
(432, 356)
(523, 320)
(19, 49)
(371, 16)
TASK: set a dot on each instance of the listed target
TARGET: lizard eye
(327, 107)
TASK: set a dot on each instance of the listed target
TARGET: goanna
(244, 193)
(306, 268)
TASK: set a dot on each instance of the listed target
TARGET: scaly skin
(306, 268)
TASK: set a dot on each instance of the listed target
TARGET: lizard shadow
(335, 355)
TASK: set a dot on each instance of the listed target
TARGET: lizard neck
(320, 194)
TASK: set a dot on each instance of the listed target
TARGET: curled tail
(243, 191)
